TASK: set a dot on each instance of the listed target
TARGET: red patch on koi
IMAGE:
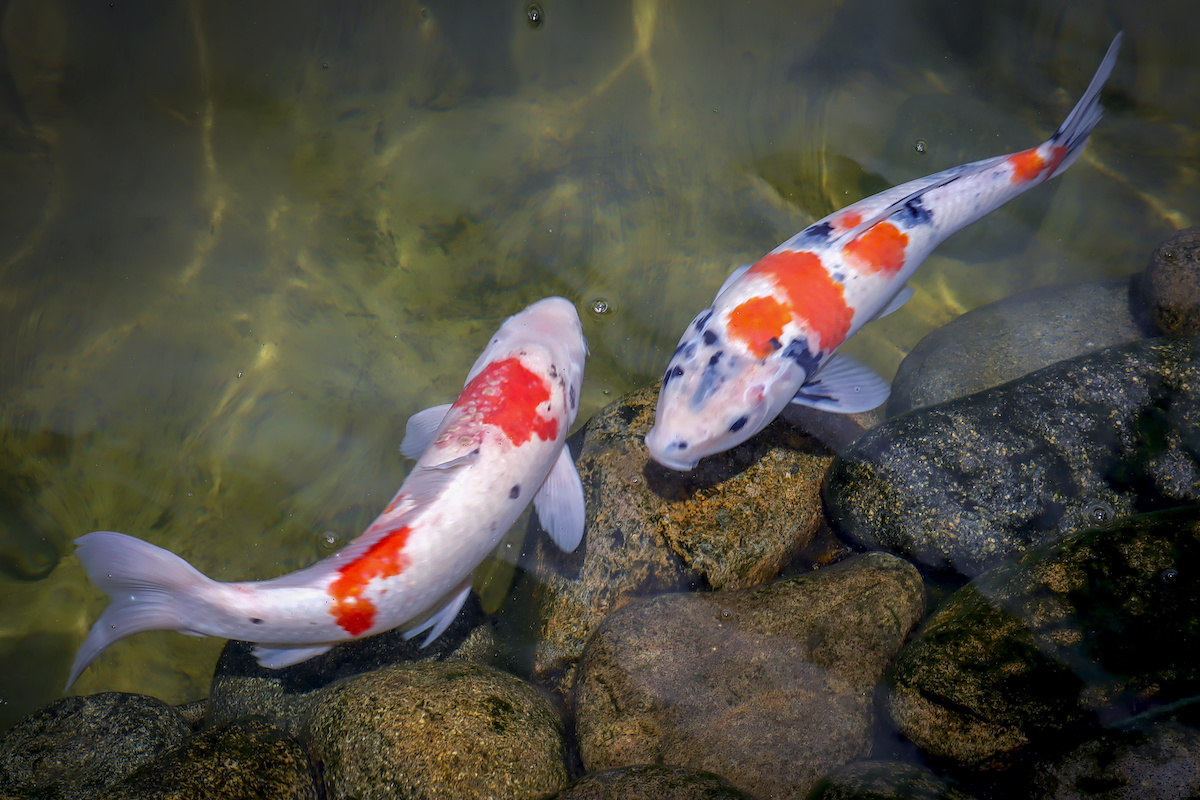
(354, 613)
(848, 220)
(812, 293)
(757, 322)
(506, 394)
(880, 249)
(1029, 164)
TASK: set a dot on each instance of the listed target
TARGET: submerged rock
(440, 730)
(1013, 337)
(1169, 289)
(651, 782)
(246, 758)
(769, 687)
(733, 522)
(1161, 762)
(966, 483)
(885, 780)
(1092, 630)
(76, 746)
(240, 687)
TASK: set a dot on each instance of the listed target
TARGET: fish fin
(559, 503)
(420, 430)
(900, 298)
(443, 616)
(1077, 127)
(844, 386)
(733, 277)
(286, 656)
(151, 589)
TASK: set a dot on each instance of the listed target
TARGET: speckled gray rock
(441, 730)
(240, 687)
(246, 758)
(651, 782)
(966, 483)
(76, 746)
(1169, 288)
(733, 522)
(1013, 337)
(1091, 630)
(1161, 762)
(768, 687)
(885, 780)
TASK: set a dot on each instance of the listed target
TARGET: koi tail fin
(151, 589)
(1077, 127)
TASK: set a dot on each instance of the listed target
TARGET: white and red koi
(482, 459)
(772, 330)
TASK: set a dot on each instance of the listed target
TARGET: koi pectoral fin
(903, 296)
(279, 657)
(843, 386)
(559, 503)
(420, 430)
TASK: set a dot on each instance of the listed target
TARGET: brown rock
(731, 523)
(651, 782)
(442, 730)
(698, 680)
(1170, 287)
(246, 758)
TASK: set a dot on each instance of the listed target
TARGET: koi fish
(770, 336)
(481, 460)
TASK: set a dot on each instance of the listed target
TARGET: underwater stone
(76, 746)
(245, 758)
(733, 522)
(961, 485)
(769, 687)
(1040, 651)
(240, 687)
(1004, 340)
(885, 780)
(1162, 762)
(1169, 289)
(443, 730)
(651, 782)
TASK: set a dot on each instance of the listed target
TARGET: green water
(240, 243)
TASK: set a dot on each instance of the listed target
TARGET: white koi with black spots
(774, 327)
(481, 461)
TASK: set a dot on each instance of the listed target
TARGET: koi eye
(738, 424)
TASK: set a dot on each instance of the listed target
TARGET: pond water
(241, 243)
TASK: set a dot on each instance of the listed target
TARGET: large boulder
(964, 484)
(769, 687)
(1034, 654)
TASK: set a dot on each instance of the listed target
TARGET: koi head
(716, 395)
(546, 336)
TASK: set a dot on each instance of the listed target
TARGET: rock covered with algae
(964, 484)
(1042, 650)
(733, 522)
